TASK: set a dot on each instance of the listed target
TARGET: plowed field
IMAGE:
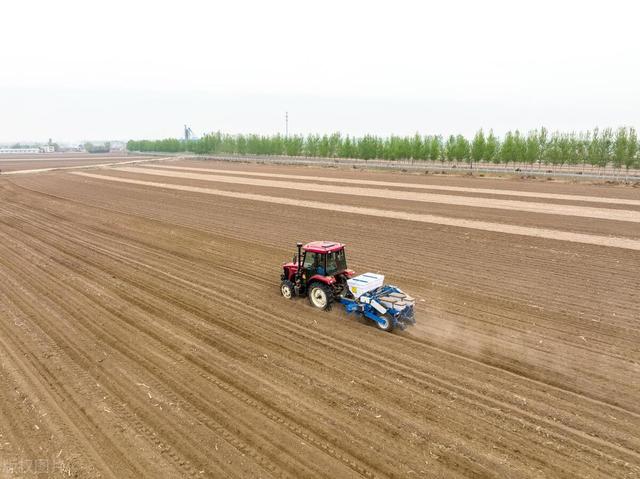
(142, 333)
(20, 163)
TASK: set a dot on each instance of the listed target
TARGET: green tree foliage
(508, 149)
(492, 148)
(293, 145)
(605, 147)
(311, 145)
(532, 148)
(478, 147)
(620, 148)
(598, 147)
(435, 150)
(450, 148)
(324, 149)
(462, 149)
(632, 159)
(91, 148)
(367, 147)
(335, 140)
(347, 148)
(417, 147)
(520, 147)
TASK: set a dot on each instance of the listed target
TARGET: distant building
(18, 151)
(78, 148)
(48, 149)
(117, 146)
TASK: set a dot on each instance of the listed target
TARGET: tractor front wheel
(286, 289)
(320, 296)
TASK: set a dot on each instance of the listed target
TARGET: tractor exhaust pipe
(299, 245)
(298, 275)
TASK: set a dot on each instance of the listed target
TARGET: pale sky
(75, 70)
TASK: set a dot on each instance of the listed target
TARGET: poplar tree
(508, 148)
(532, 148)
(323, 147)
(417, 147)
(462, 149)
(450, 148)
(435, 152)
(620, 148)
(491, 148)
(311, 145)
(519, 147)
(335, 143)
(632, 150)
(426, 148)
(606, 143)
(478, 147)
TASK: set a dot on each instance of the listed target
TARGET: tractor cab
(324, 259)
(320, 266)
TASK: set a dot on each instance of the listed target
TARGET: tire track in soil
(328, 449)
(631, 288)
(23, 431)
(617, 242)
(87, 298)
(434, 262)
(236, 443)
(81, 364)
(184, 273)
(76, 429)
(245, 449)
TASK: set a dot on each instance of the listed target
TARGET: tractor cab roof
(323, 247)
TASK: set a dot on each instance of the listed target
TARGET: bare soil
(142, 333)
(12, 163)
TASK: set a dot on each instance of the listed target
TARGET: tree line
(599, 148)
(100, 148)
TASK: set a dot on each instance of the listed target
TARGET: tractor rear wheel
(286, 289)
(320, 296)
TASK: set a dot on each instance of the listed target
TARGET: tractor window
(336, 262)
(309, 260)
(313, 264)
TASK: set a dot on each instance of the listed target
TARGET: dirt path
(54, 166)
(400, 185)
(626, 243)
(545, 208)
(525, 184)
(68, 158)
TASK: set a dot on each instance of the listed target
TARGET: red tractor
(319, 271)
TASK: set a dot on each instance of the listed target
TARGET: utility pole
(286, 124)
